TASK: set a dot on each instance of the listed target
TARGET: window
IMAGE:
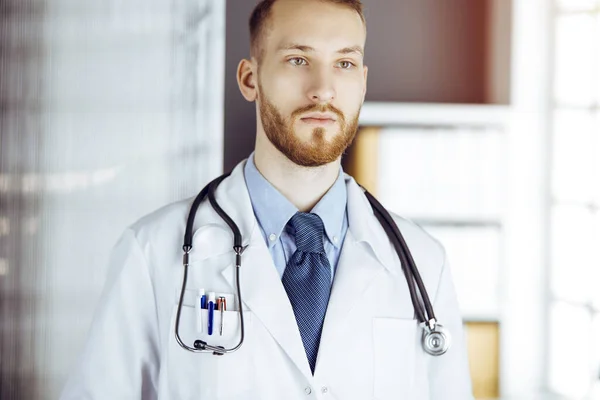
(444, 168)
(575, 217)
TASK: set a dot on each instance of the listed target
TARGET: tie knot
(309, 232)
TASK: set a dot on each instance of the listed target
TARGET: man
(327, 311)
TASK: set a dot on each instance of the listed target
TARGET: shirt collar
(273, 210)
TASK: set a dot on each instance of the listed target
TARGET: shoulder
(166, 222)
(175, 212)
(420, 238)
(428, 252)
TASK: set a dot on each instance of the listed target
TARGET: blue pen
(203, 304)
(211, 311)
(200, 299)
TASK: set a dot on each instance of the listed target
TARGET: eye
(297, 61)
(346, 64)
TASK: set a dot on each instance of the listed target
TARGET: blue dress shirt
(273, 211)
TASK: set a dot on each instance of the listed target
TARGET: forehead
(322, 25)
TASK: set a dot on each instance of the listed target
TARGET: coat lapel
(357, 270)
(367, 257)
(263, 293)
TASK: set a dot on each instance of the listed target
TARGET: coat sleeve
(449, 375)
(120, 359)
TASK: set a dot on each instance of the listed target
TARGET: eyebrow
(308, 49)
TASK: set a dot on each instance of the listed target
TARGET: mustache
(319, 108)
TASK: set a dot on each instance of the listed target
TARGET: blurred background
(482, 124)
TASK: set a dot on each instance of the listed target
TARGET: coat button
(307, 390)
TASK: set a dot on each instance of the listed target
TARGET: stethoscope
(435, 339)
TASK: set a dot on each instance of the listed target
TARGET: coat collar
(232, 195)
(366, 228)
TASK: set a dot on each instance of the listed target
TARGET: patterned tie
(307, 281)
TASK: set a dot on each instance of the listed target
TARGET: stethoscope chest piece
(436, 340)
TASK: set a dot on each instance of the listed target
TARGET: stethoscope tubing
(409, 267)
(209, 190)
(424, 311)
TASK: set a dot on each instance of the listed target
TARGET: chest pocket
(394, 341)
(204, 375)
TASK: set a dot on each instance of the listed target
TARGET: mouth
(319, 118)
(318, 121)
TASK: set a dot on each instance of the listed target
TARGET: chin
(327, 132)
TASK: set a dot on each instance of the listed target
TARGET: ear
(246, 78)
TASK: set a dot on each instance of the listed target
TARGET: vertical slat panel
(21, 73)
(106, 113)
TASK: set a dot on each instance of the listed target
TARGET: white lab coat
(370, 346)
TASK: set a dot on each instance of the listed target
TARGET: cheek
(350, 98)
(288, 89)
(350, 90)
(286, 95)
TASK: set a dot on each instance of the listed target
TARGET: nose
(321, 90)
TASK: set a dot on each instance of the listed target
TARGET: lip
(317, 121)
(324, 117)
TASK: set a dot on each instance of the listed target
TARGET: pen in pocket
(199, 320)
(222, 304)
(211, 311)
(203, 300)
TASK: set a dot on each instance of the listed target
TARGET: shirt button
(324, 390)
(335, 239)
(272, 237)
(307, 390)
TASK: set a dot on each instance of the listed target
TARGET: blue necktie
(307, 281)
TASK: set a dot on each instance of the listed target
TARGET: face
(311, 80)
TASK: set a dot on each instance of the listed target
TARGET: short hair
(262, 12)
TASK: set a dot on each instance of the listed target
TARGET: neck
(302, 186)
